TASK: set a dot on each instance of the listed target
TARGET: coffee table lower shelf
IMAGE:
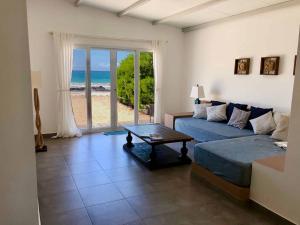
(164, 155)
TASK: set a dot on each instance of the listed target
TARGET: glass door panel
(146, 88)
(78, 88)
(100, 88)
(112, 88)
(125, 87)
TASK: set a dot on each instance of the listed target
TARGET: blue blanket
(232, 159)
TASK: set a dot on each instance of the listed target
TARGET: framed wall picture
(269, 65)
(242, 66)
(295, 63)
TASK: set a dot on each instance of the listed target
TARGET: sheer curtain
(158, 48)
(66, 125)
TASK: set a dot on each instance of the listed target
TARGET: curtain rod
(109, 38)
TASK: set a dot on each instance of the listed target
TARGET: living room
(95, 170)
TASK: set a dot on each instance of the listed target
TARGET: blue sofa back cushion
(231, 106)
(215, 103)
(256, 112)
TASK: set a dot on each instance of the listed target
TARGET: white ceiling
(154, 10)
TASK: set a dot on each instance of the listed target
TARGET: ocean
(97, 77)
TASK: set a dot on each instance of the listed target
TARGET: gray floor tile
(53, 152)
(55, 186)
(53, 172)
(91, 179)
(168, 184)
(132, 188)
(56, 161)
(189, 196)
(117, 162)
(112, 213)
(149, 184)
(74, 217)
(154, 204)
(78, 158)
(127, 173)
(180, 218)
(100, 194)
(118, 190)
(60, 203)
(85, 167)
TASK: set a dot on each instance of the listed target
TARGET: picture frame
(269, 65)
(242, 66)
(295, 63)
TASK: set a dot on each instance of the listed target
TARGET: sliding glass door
(111, 88)
(79, 87)
(146, 88)
(125, 87)
(100, 88)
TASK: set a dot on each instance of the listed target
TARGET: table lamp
(197, 92)
(36, 82)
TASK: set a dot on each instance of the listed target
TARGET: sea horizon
(98, 77)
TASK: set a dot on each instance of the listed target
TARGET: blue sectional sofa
(225, 151)
(232, 159)
(203, 131)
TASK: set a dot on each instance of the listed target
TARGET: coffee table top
(168, 135)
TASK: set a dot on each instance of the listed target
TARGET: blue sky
(100, 59)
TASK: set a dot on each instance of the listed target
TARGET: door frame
(113, 91)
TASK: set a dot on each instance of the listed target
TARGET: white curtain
(158, 48)
(66, 125)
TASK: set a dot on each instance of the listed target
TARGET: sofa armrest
(171, 117)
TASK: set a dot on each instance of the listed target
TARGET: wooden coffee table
(154, 153)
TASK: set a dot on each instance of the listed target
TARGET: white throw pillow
(200, 110)
(216, 113)
(264, 124)
(277, 116)
(282, 128)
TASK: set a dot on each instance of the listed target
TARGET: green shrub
(125, 80)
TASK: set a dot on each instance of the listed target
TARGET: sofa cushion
(257, 112)
(231, 106)
(200, 110)
(202, 130)
(232, 159)
(239, 118)
(264, 124)
(216, 113)
(282, 127)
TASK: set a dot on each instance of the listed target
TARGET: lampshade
(36, 79)
(197, 92)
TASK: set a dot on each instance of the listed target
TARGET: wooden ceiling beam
(188, 11)
(135, 5)
(280, 5)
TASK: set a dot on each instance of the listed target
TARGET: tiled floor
(91, 180)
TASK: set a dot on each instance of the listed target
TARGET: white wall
(279, 191)
(61, 15)
(18, 204)
(210, 53)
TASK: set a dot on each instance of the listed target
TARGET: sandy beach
(101, 110)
